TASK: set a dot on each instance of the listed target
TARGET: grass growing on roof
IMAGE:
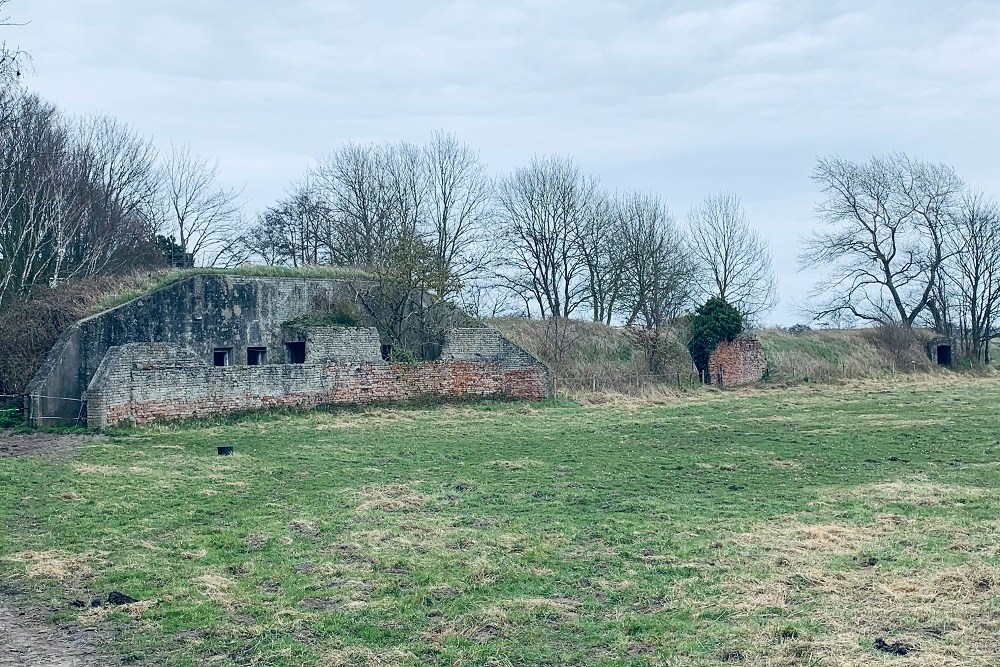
(135, 286)
(781, 527)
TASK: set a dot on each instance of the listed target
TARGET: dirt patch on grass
(517, 464)
(388, 498)
(793, 577)
(26, 639)
(42, 444)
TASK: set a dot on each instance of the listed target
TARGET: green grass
(141, 284)
(781, 527)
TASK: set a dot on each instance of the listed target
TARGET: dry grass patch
(106, 471)
(54, 564)
(942, 615)
(388, 498)
(501, 618)
(217, 588)
(362, 656)
(918, 491)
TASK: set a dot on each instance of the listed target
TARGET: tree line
(88, 197)
(907, 243)
(545, 240)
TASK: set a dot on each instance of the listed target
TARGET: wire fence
(16, 404)
(633, 383)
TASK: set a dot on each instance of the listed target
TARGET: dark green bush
(713, 322)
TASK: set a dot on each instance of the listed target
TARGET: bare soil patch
(28, 640)
(40, 444)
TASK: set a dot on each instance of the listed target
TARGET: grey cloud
(686, 98)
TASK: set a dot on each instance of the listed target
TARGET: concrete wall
(741, 361)
(141, 382)
(338, 343)
(200, 313)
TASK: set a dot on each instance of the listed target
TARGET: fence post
(595, 384)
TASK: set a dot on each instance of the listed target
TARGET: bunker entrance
(944, 355)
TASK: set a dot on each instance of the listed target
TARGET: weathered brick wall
(141, 382)
(484, 344)
(201, 313)
(741, 361)
(338, 343)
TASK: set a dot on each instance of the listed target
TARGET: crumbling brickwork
(205, 313)
(142, 382)
(741, 361)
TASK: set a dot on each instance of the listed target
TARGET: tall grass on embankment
(585, 356)
(591, 357)
(838, 354)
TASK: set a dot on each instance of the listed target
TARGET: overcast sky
(685, 98)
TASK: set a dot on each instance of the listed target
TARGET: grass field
(782, 527)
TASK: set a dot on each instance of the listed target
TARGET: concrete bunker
(218, 343)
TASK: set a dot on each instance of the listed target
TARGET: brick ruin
(142, 382)
(218, 344)
(737, 362)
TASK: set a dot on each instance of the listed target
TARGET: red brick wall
(141, 393)
(741, 361)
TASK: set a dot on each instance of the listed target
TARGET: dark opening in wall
(256, 356)
(386, 352)
(222, 356)
(295, 353)
(944, 355)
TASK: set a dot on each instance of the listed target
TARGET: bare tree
(122, 167)
(658, 274)
(732, 260)
(596, 239)
(294, 232)
(973, 274)
(887, 227)
(12, 59)
(375, 197)
(201, 215)
(458, 210)
(540, 207)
